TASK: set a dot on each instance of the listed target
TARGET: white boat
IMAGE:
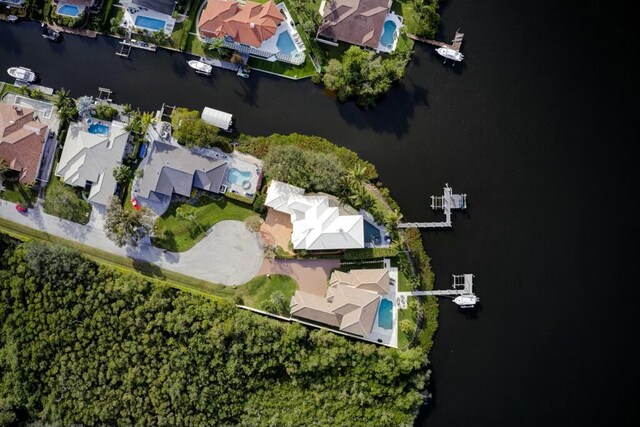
(466, 301)
(12, 18)
(22, 74)
(200, 67)
(450, 54)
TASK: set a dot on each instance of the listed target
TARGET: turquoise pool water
(68, 10)
(98, 129)
(387, 33)
(238, 177)
(149, 23)
(371, 233)
(285, 44)
(385, 314)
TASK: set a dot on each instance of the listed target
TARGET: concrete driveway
(229, 254)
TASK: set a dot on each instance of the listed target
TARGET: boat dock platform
(462, 285)
(456, 43)
(220, 64)
(139, 44)
(105, 94)
(43, 89)
(447, 202)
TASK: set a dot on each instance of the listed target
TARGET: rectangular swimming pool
(385, 314)
(149, 23)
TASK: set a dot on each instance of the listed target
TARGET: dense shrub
(87, 345)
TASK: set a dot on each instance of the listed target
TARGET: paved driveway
(312, 275)
(230, 254)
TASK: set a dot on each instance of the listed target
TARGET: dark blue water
(537, 127)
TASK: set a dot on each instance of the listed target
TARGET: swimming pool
(98, 129)
(68, 10)
(385, 314)
(371, 233)
(149, 23)
(285, 44)
(387, 33)
(239, 177)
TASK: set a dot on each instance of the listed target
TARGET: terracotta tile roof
(358, 22)
(21, 141)
(250, 25)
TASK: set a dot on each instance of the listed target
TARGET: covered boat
(50, 33)
(22, 74)
(200, 67)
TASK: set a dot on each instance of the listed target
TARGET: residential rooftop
(358, 22)
(315, 224)
(22, 141)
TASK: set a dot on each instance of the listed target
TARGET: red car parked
(20, 208)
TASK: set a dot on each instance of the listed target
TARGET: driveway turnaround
(229, 254)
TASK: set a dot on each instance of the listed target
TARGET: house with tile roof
(263, 30)
(88, 160)
(316, 224)
(350, 304)
(357, 22)
(22, 141)
(171, 169)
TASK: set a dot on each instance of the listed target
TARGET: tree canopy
(86, 344)
(190, 130)
(312, 170)
(126, 226)
(363, 75)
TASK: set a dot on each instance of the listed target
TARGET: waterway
(535, 126)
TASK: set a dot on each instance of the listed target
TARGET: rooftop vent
(252, 25)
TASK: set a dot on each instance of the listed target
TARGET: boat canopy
(217, 118)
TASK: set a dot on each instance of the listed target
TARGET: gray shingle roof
(357, 22)
(170, 169)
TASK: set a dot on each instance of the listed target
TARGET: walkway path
(229, 254)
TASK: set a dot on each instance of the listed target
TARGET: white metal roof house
(315, 224)
(217, 118)
(89, 159)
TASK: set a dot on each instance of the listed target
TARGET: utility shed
(217, 118)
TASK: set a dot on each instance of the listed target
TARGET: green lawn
(100, 22)
(408, 313)
(260, 288)
(406, 10)
(179, 235)
(279, 67)
(66, 202)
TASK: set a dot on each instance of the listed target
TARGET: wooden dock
(456, 43)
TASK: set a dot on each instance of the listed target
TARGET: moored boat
(466, 301)
(243, 72)
(450, 54)
(50, 33)
(200, 67)
(12, 18)
(22, 74)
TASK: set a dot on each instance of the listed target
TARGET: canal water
(535, 126)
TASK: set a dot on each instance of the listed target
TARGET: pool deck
(398, 20)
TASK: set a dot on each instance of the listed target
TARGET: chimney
(252, 25)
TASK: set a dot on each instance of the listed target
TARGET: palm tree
(127, 109)
(357, 173)
(62, 99)
(392, 218)
(216, 45)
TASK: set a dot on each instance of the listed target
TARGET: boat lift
(447, 202)
(105, 94)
